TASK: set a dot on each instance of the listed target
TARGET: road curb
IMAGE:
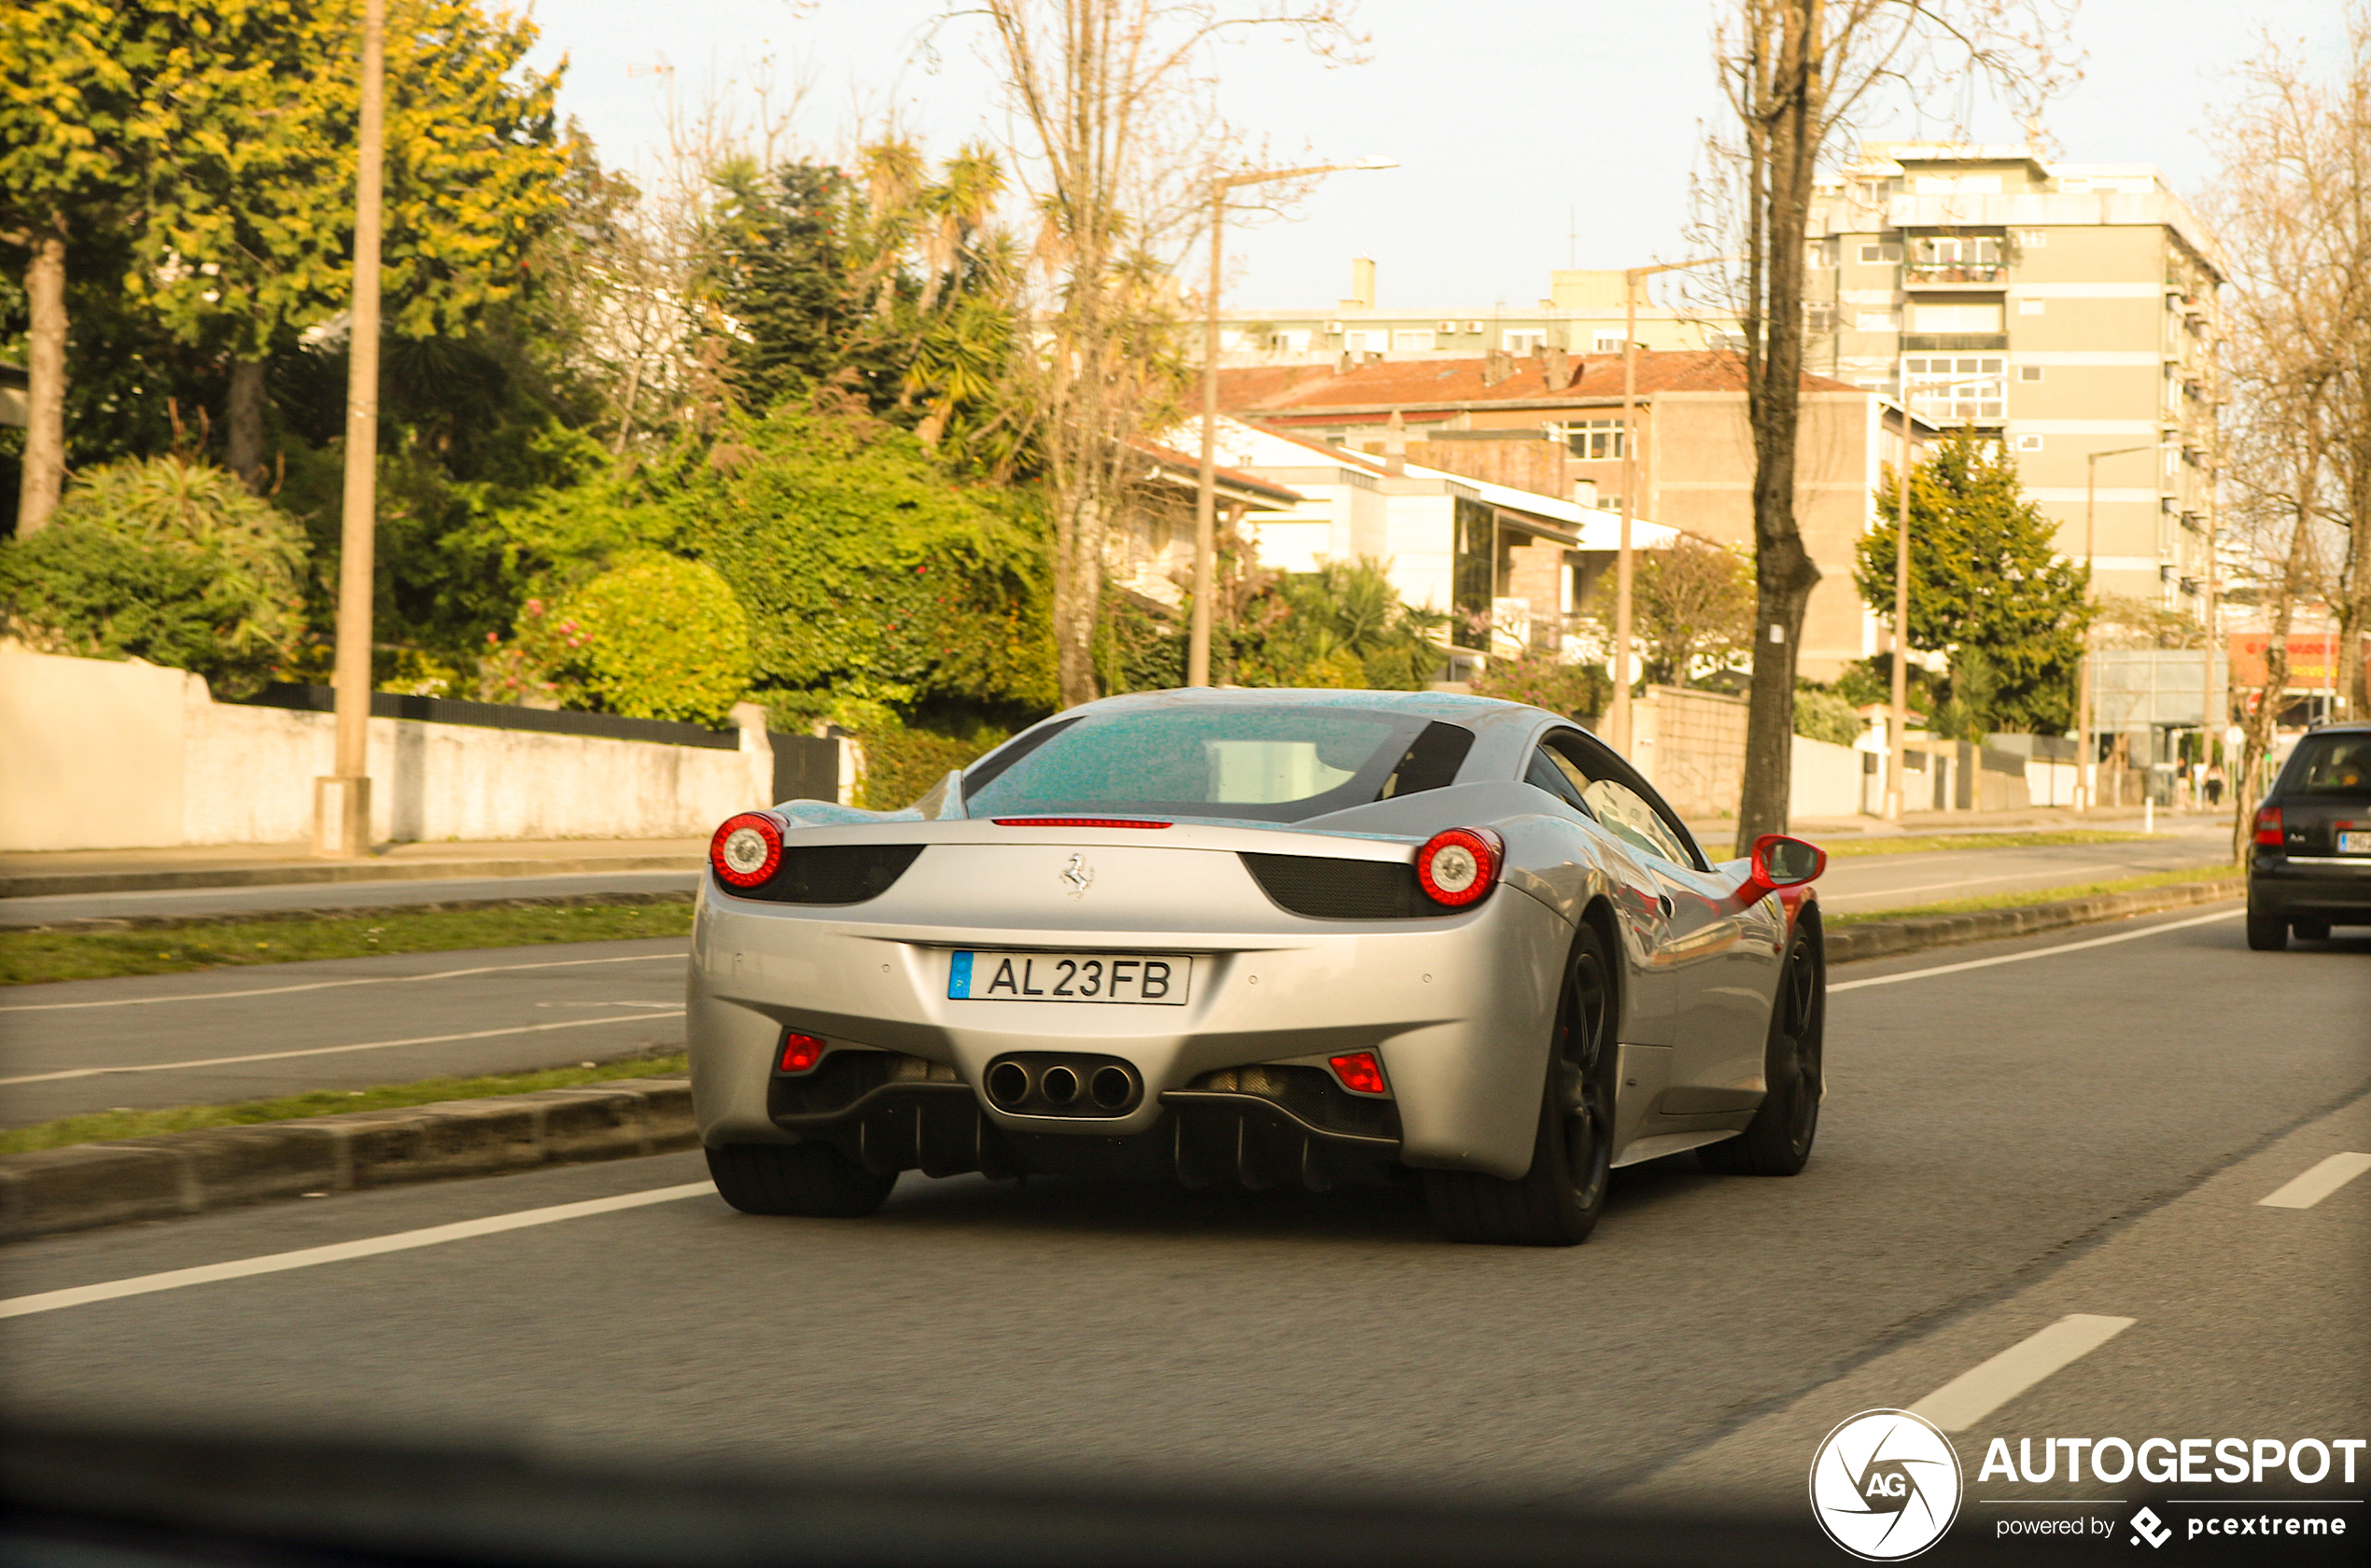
(59, 884)
(1882, 939)
(85, 1185)
(96, 923)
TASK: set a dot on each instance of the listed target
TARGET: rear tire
(2310, 930)
(1556, 1202)
(2267, 935)
(1777, 1142)
(814, 1180)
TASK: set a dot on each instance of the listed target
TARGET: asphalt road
(150, 1041)
(1859, 884)
(2088, 1131)
(53, 909)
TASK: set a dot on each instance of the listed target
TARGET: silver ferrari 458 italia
(1263, 937)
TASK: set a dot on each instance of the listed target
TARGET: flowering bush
(656, 638)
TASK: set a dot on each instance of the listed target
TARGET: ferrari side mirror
(1781, 862)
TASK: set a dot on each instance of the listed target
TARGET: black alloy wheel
(1777, 1142)
(1556, 1202)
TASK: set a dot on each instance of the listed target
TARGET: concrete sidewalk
(251, 865)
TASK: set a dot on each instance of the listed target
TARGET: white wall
(96, 754)
(1826, 779)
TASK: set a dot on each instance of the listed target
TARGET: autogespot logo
(1885, 1485)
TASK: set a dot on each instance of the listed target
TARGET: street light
(1618, 719)
(1206, 477)
(2084, 795)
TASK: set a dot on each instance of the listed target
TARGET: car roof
(1456, 707)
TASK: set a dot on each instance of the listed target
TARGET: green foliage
(657, 638)
(1986, 584)
(1692, 605)
(1578, 691)
(1827, 715)
(1341, 625)
(865, 569)
(901, 763)
(163, 560)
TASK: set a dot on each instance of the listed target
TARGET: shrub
(1578, 691)
(1826, 715)
(163, 560)
(657, 638)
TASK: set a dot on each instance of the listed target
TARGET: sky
(1531, 134)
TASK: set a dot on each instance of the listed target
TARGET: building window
(1594, 438)
(1818, 316)
(1523, 339)
(2028, 444)
(1367, 340)
(1878, 190)
(1473, 574)
(1956, 259)
(2028, 372)
(1953, 389)
(1294, 341)
(2031, 239)
(1413, 342)
(1884, 254)
(2032, 307)
(1606, 343)
(1877, 321)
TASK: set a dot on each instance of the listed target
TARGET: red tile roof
(1417, 383)
(1190, 466)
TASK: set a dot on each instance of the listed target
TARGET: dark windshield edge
(988, 768)
(1595, 753)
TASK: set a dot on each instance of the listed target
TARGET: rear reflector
(1074, 822)
(801, 1052)
(2268, 826)
(1360, 1073)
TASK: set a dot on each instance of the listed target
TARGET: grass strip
(101, 1125)
(2044, 895)
(1919, 844)
(33, 957)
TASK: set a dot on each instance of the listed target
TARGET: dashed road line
(1980, 1390)
(333, 1050)
(404, 1240)
(2317, 1184)
(328, 985)
(1834, 987)
(1970, 882)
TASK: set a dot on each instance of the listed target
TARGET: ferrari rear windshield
(1278, 763)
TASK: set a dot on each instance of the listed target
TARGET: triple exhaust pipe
(1060, 1084)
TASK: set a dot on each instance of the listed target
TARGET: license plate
(1159, 979)
(2354, 844)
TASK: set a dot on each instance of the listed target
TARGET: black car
(2309, 867)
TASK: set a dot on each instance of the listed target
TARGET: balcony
(1954, 342)
(1948, 275)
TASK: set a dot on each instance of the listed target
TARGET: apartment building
(2069, 307)
(1583, 314)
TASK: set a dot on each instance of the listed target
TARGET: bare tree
(1117, 134)
(2292, 203)
(1795, 73)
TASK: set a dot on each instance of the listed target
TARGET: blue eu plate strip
(959, 978)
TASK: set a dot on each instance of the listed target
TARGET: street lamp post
(1617, 715)
(1206, 475)
(342, 802)
(2084, 795)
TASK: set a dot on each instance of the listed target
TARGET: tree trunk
(45, 431)
(1784, 153)
(242, 424)
(1078, 594)
(2354, 617)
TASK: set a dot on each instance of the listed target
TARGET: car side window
(1623, 811)
(1550, 773)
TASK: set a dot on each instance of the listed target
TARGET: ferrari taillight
(1360, 1073)
(747, 849)
(801, 1052)
(2268, 826)
(1460, 866)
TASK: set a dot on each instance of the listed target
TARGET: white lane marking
(326, 984)
(403, 1241)
(2318, 1183)
(1834, 987)
(1968, 882)
(333, 1050)
(1978, 1392)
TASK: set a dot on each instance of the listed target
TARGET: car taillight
(1460, 866)
(1360, 1073)
(801, 1052)
(2268, 826)
(747, 849)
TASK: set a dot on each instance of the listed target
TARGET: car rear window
(2335, 765)
(1278, 763)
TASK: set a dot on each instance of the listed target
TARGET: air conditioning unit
(1335, 327)
(1444, 326)
(1473, 326)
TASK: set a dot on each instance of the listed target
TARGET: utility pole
(2084, 795)
(342, 801)
(1898, 731)
(1206, 475)
(1618, 716)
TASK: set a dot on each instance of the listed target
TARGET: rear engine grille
(1331, 890)
(833, 873)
